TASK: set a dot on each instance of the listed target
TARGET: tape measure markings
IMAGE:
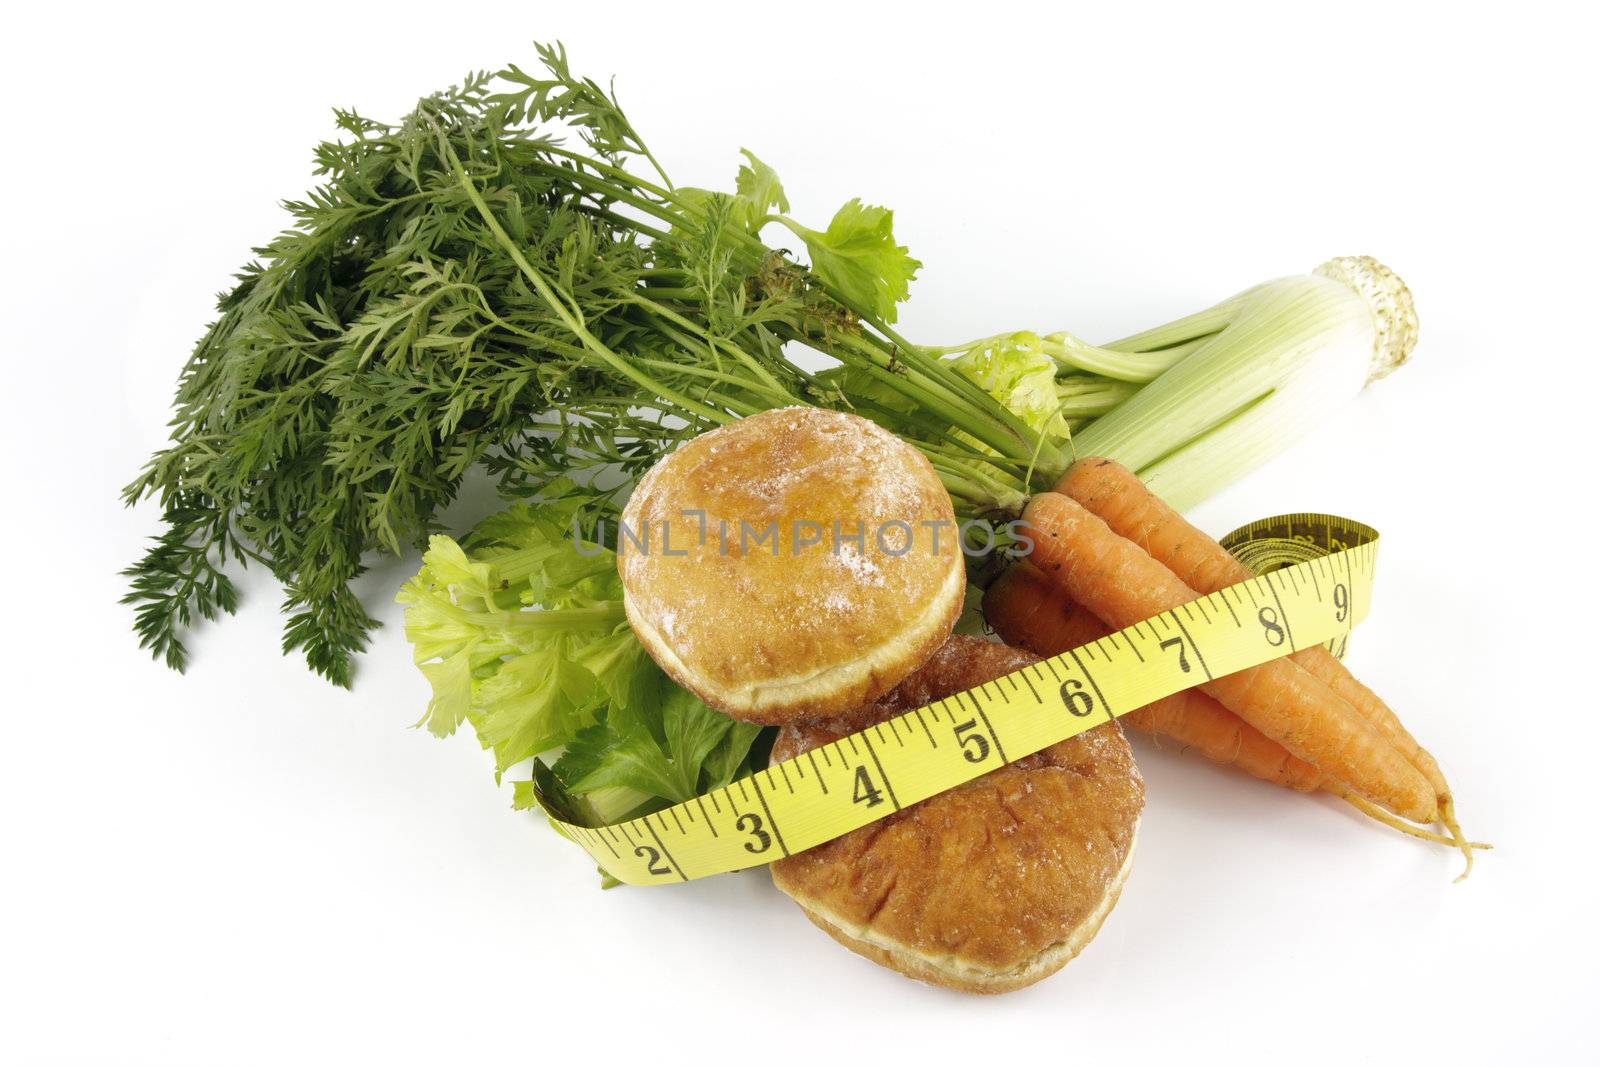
(672, 863)
(701, 801)
(812, 755)
(999, 747)
(1280, 620)
(770, 820)
(1198, 655)
(906, 766)
(1104, 704)
(1236, 620)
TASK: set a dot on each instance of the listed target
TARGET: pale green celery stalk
(1082, 396)
(1190, 328)
(1286, 356)
(1118, 365)
(1135, 360)
(612, 804)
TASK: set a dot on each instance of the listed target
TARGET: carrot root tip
(1455, 839)
(1447, 815)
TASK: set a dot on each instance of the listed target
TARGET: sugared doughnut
(792, 564)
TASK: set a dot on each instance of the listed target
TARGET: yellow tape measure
(1314, 584)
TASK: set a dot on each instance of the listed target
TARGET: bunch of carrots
(1108, 553)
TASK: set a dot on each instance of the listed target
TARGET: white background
(244, 865)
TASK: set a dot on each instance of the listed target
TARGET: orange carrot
(1116, 495)
(1025, 609)
(1123, 585)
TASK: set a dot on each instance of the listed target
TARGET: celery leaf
(1015, 370)
(857, 256)
(758, 187)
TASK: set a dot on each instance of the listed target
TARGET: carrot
(1025, 609)
(1115, 494)
(1123, 585)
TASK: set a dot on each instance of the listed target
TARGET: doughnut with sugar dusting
(792, 564)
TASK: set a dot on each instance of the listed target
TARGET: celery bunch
(1194, 405)
(521, 634)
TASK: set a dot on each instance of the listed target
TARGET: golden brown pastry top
(993, 873)
(774, 629)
